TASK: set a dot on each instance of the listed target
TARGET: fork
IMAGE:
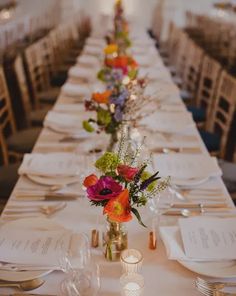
(214, 285)
(211, 292)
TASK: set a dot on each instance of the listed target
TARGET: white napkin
(69, 108)
(51, 165)
(172, 240)
(65, 123)
(93, 50)
(186, 167)
(96, 41)
(173, 122)
(76, 90)
(83, 73)
(88, 60)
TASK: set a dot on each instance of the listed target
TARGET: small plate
(51, 181)
(217, 269)
(189, 182)
(20, 276)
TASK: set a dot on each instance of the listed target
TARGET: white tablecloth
(162, 276)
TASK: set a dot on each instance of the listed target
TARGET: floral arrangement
(124, 185)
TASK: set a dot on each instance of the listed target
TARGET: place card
(209, 238)
(33, 247)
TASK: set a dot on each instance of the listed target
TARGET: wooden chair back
(223, 110)
(209, 79)
(180, 54)
(36, 71)
(193, 68)
(7, 122)
(23, 86)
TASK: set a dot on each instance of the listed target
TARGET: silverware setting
(49, 196)
(196, 212)
(190, 150)
(200, 206)
(46, 210)
(211, 290)
(215, 284)
(24, 285)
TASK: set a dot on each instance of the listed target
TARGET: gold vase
(115, 240)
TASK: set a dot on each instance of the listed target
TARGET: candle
(132, 284)
(131, 260)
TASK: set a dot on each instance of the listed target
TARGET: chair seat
(37, 117)
(49, 96)
(199, 114)
(186, 95)
(229, 175)
(59, 78)
(23, 141)
(211, 140)
(8, 179)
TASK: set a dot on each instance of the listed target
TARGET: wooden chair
(42, 92)
(33, 117)
(17, 142)
(8, 173)
(205, 97)
(192, 72)
(218, 124)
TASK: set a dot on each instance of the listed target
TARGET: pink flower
(127, 172)
(105, 188)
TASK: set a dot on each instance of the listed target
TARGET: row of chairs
(39, 72)
(216, 35)
(208, 90)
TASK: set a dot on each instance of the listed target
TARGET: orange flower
(121, 62)
(101, 98)
(90, 180)
(133, 63)
(111, 48)
(118, 208)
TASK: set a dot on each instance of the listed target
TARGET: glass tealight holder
(132, 284)
(131, 261)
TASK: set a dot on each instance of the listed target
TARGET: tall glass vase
(115, 240)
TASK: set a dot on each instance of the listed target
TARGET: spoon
(187, 213)
(25, 285)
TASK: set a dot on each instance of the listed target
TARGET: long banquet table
(162, 276)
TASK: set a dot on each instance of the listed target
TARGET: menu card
(209, 238)
(33, 247)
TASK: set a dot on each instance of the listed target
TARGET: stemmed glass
(82, 274)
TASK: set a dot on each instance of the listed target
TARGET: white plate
(28, 223)
(189, 182)
(50, 181)
(220, 269)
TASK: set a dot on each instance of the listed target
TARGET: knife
(24, 294)
(198, 205)
(48, 196)
(199, 211)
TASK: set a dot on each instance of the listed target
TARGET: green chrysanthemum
(103, 117)
(87, 126)
(108, 162)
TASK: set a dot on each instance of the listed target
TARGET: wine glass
(82, 273)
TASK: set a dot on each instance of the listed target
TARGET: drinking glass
(82, 274)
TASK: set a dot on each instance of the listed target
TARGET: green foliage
(87, 126)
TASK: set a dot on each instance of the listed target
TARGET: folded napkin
(65, 123)
(50, 165)
(186, 167)
(96, 42)
(69, 108)
(174, 122)
(88, 60)
(93, 50)
(76, 90)
(83, 73)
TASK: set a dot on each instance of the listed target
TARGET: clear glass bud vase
(115, 240)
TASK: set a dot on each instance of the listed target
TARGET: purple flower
(118, 114)
(105, 188)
